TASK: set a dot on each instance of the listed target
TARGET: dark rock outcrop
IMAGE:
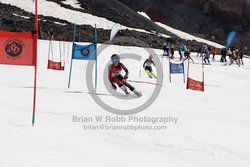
(208, 18)
(201, 21)
(15, 19)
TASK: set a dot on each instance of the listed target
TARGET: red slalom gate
(20, 48)
(54, 65)
(195, 85)
(192, 83)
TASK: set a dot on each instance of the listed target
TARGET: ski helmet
(150, 56)
(115, 57)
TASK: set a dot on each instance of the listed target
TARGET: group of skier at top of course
(168, 50)
(235, 55)
(115, 69)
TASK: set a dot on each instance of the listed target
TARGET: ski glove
(125, 76)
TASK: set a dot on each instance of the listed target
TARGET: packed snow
(144, 15)
(212, 127)
(187, 36)
(25, 17)
(73, 3)
(204, 129)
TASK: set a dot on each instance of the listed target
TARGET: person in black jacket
(240, 58)
(166, 49)
(223, 55)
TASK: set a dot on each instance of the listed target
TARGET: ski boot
(153, 75)
(125, 90)
(139, 94)
(149, 74)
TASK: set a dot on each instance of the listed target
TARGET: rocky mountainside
(211, 19)
(15, 19)
(203, 21)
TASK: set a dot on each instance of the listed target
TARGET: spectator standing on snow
(187, 54)
(213, 52)
(172, 52)
(241, 55)
(166, 49)
(223, 55)
(209, 48)
(233, 58)
(181, 49)
(229, 52)
(207, 56)
(199, 52)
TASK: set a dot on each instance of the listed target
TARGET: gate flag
(176, 68)
(20, 48)
(84, 52)
(16, 48)
(54, 65)
(230, 38)
(195, 85)
(115, 29)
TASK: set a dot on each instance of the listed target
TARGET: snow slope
(187, 36)
(212, 127)
(144, 15)
(73, 3)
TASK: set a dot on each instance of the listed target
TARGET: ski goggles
(115, 60)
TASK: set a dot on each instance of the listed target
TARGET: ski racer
(115, 77)
(147, 65)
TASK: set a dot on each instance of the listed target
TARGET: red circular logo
(14, 47)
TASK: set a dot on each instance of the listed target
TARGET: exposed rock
(197, 26)
(185, 15)
(207, 8)
(231, 10)
(200, 16)
(84, 33)
(218, 33)
(238, 28)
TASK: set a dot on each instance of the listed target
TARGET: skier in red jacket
(115, 77)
